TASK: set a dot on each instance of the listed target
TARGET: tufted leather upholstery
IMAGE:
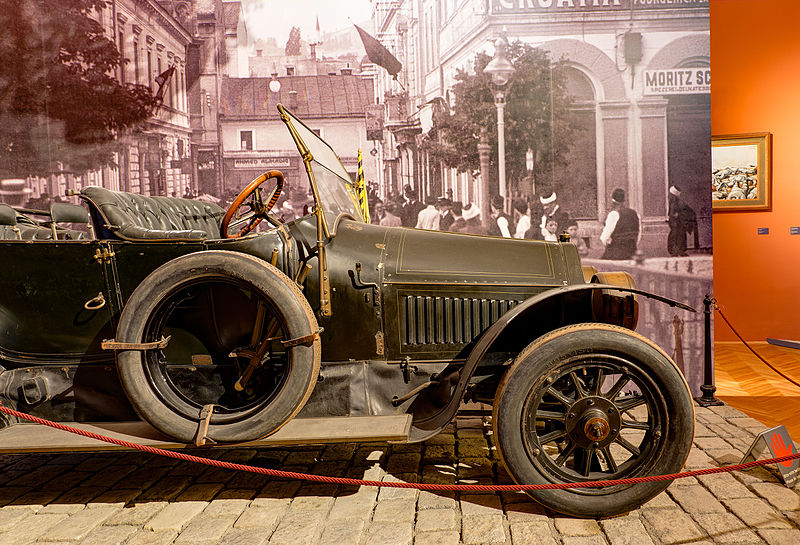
(136, 217)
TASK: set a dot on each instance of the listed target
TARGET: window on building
(178, 82)
(183, 91)
(136, 61)
(121, 36)
(150, 69)
(246, 139)
(176, 89)
(290, 70)
(429, 31)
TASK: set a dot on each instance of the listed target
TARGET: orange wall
(755, 66)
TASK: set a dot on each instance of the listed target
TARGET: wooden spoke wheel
(593, 402)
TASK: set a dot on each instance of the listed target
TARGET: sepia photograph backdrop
(599, 107)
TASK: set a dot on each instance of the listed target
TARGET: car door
(55, 301)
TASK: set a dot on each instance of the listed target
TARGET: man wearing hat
(446, 218)
(551, 211)
(682, 220)
(500, 224)
(411, 207)
(621, 232)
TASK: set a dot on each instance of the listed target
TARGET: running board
(25, 437)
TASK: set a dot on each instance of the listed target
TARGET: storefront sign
(181, 163)
(374, 121)
(262, 162)
(522, 6)
(685, 81)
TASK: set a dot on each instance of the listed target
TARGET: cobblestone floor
(132, 498)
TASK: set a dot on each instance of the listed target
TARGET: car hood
(433, 257)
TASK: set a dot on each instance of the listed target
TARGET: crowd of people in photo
(539, 218)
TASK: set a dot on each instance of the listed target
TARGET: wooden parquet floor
(744, 382)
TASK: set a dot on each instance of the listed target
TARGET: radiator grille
(448, 320)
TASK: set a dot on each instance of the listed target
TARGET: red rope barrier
(419, 486)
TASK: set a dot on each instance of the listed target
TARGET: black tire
(553, 424)
(209, 301)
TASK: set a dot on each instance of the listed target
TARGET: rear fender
(522, 315)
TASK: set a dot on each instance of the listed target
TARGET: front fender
(430, 424)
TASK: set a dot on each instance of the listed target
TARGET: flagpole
(399, 83)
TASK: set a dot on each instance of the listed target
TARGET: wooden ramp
(29, 437)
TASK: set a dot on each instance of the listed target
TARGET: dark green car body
(156, 319)
(405, 305)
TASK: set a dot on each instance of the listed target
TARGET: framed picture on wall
(741, 166)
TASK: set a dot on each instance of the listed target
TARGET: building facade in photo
(254, 139)
(153, 157)
(218, 49)
(638, 72)
(150, 39)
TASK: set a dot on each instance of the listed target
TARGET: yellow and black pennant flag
(361, 189)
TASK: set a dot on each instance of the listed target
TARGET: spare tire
(218, 308)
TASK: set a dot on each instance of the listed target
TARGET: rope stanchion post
(708, 398)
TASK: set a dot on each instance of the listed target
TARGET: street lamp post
(483, 154)
(500, 70)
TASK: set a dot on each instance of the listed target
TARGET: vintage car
(184, 316)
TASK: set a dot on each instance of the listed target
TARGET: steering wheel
(258, 210)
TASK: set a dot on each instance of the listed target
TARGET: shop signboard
(261, 163)
(529, 6)
(181, 163)
(374, 121)
(677, 81)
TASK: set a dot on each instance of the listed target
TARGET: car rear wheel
(228, 317)
(593, 402)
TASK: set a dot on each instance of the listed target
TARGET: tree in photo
(536, 118)
(294, 44)
(60, 101)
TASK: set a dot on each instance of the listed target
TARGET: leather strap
(306, 340)
(111, 344)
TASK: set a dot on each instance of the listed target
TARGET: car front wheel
(592, 402)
